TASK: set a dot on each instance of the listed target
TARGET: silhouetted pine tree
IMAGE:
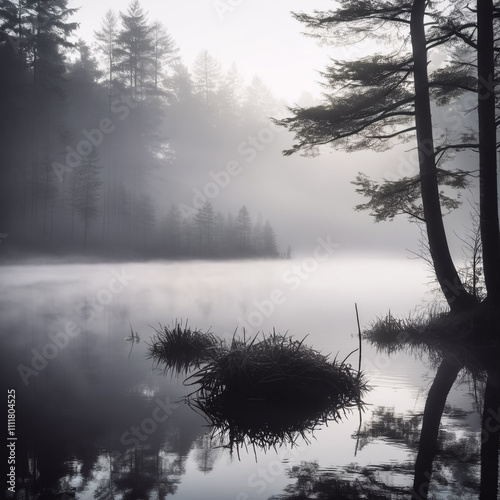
(86, 190)
(164, 53)
(107, 38)
(179, 83)
(270, 248)
(134, 49)
(244, 229)
(204, 225)
(173, 231)
(207, 79)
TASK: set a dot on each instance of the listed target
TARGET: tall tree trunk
(446, 273)
(110, 81)
(86, 212)
(104, 210)
(34, 141)
(488, 195)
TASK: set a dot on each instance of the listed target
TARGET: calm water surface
(95, 419)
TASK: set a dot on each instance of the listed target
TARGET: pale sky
(260, 36)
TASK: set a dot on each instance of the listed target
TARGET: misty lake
(95, 420)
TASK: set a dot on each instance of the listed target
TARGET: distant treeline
(87, 130)
(211, 234)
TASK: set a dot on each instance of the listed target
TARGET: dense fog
(115, 146)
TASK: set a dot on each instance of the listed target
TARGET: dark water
(94, 419)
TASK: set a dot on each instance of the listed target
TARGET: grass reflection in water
(265, 391)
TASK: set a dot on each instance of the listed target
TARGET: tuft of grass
(180, 348)
(272, 390)
(390, 334)
(467, 335)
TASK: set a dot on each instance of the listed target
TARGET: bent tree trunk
(434, 406)
(446, 272)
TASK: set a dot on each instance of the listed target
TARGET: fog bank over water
(256, 295)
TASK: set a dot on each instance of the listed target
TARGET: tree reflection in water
(448, 458)
(205, 454)
(153, 468)
(443, 461)
(456, 464)
(75, 422)
(76, 441)
(350, 482)
(459, 343)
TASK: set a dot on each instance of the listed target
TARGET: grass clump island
(179, 348)
(266, 390)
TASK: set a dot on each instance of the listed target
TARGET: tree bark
(446, 273)
(488, 195)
